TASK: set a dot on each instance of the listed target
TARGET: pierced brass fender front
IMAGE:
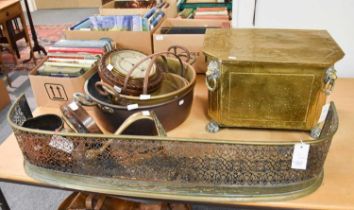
(202, 170)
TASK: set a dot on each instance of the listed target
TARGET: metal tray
(201, 170)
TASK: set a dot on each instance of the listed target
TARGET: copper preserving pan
(194, 169)
(171, 108)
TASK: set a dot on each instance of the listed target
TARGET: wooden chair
(16, 32)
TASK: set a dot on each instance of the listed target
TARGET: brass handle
(211, 84)
(212, 75)
(193, 58)
(330, 79)
(149, 115)
(93, 153)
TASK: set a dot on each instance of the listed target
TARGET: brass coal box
(269, 78)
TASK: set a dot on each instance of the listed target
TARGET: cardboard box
(55, 91)
(108, 9)
(55, 4)
(135, 40)
(193, 42)
(4, 95)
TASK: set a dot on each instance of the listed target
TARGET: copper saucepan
(171, 112)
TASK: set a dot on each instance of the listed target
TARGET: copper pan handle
(107, 90)
(94, 153)
(185, 53)
(153, 58)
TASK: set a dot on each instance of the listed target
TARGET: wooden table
(336, 191)
(10, 9)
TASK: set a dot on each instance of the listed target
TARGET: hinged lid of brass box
(269, 78)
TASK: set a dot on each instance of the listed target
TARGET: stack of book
(122, 22)
(72, 58)
(219, 13)
(155, 14)
(187, 13)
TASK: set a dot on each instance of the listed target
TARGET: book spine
(75, 50)
(80, 43)
(77, 61)
(145, 24)
(137, 23)
(93, 20)
(127, 23)
(64, 69)
(211, 17)
(157, 19)
(67, 64)
(149, 13)
(74, 56)
(71, 57)
(202, 9)
(76, 26)
(212, 13)
(119, 23)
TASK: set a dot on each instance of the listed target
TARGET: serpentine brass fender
(170, 168)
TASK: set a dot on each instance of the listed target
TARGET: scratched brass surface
(282, 46)
(269, 78)
(170, 167)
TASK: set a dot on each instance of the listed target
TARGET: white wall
(336, 16)
(242, 11)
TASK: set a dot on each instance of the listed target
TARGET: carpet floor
(47, 36)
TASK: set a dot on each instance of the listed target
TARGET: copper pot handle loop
(146, 78)
(149, 115)
(94, 201)
(185, 53)
(153, 58)
(107, 90)
(83, 99)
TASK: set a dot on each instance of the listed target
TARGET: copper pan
(171, 112)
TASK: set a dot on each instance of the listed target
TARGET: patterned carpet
(47, 36)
